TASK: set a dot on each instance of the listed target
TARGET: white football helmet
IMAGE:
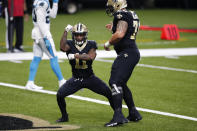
(79, 30)
(113, 6)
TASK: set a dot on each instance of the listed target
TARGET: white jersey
(41, 14)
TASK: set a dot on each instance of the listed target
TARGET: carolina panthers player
(43, 42)
(81, 54)
(124, 30)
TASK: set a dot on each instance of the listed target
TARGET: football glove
(71, 56)
(55, 1)
(68, 28)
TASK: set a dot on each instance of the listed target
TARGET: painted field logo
(20, 122)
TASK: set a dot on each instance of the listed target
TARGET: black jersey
(128, 41)
(81, 68)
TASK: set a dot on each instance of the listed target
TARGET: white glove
(71, 56)
(107, 44)
(68, 28)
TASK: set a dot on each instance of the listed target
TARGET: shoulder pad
(93, 43)
(118, 11)
(69, 41)
(42, 4)
(134, 15)
(119, 15)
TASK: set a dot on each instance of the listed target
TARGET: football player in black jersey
(124, 30)
(81, 54)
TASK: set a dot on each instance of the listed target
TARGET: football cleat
(118, 119)
(63, 119)
(18, 50)
(114, 123)
(61, 82)
(134, 116)
(31, 86)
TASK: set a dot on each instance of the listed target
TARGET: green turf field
(156, 89)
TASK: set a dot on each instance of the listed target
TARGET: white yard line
(102, 102)
(167, 68)
(157, 67)
(170, 52)
(108, 54)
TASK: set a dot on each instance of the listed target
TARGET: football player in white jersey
(43, 41)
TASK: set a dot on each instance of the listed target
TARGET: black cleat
(18, 50)
(62, 119)
(134, 116)
(114, 123)
(118, 119)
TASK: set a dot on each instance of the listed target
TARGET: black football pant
(122, 69)
(18, 25)
(73, 85)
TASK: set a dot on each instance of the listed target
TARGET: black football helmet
(79, 30)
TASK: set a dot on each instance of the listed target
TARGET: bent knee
(59, 95)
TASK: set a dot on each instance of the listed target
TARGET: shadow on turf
(14, 123)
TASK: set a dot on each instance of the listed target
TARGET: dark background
(135, 4)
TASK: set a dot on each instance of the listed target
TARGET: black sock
(128, 98)
(62, 105)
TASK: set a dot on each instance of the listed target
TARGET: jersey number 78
(136, 25)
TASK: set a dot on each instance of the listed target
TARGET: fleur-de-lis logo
(125, 55)
(119, 16)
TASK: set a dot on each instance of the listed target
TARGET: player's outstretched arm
(53, 12)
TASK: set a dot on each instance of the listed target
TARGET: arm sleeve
(41, 14)
(53, 11)
(94, 45)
